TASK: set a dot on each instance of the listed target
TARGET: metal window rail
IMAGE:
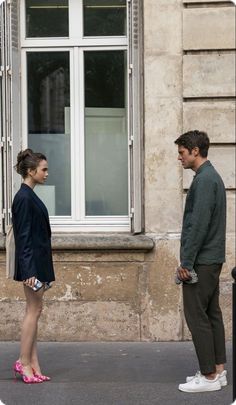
(5, 113)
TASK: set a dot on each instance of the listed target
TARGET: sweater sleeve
(196, 231)
(23, 237)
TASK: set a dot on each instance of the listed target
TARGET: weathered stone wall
(189, 84)
(104, 293)
(209, 104)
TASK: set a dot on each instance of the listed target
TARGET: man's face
(187, 159)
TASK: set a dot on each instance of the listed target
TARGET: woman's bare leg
(34, 356)
(29, 327)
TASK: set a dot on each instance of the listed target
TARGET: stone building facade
(119, 285)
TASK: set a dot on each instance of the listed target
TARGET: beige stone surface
(223, 159)
(207, 1)
(96, 282)
(217, 118)
(111, 300)
(166, 17)
(231, 212)
(209, 75)
(84, 282)
(77, 256)
(209, 28)
(163, 210)
(230, 257)
(160, 81)
(161, 312)
(67, 321)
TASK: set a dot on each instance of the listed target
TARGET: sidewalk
(109, 374)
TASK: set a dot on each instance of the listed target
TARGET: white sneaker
(201, 384)
(222, 378)
(234, 403)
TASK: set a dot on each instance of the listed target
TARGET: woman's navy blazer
(32, 232)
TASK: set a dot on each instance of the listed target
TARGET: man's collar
(203, 166)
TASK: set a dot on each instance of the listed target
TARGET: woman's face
(39, 176)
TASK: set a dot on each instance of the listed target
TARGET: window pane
(106, 155)
(104, 17)
(47, 18)
(49, 124)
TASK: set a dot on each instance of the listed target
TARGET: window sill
(101, 241)
(95, 241)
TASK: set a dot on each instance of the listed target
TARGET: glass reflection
(47, 18)
(106, 156)
(49, 123)
(104, 17)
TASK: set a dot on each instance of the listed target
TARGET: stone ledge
(92, 241)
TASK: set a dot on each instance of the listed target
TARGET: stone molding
(88, 241)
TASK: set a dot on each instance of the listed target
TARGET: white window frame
(76, 44)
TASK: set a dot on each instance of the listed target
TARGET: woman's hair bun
(23, 154)
(27, 159)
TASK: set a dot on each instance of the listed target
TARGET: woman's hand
(29, 282)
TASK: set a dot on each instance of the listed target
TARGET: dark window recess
(104, 17)
(47, 18)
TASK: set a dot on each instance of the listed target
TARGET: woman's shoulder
(22, 195)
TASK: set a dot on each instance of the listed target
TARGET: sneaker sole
(196, 392)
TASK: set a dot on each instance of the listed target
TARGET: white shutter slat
(10, 103)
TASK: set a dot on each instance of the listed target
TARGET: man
(203, 250)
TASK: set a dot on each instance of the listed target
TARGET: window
(104, 17)
(75, 84)
(47, 18)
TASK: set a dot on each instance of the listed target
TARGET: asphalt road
(109, 374)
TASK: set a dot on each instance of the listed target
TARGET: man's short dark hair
(193, 139)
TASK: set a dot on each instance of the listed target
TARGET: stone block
(96, 282)
(84, 282)
(85, 256)
(163, 124)
(218, 155)
(161, 81)
(230, 258)
(163, 27)
(157, 175)
(206, 1)
(67, 321)
(216, 118)
(209, 75)
(161, 312)
(163, 210)
(209, 28)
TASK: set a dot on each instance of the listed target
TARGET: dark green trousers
(204, 318)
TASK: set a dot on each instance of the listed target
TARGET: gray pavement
(108, 374)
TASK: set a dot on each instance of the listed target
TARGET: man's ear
(195, 151)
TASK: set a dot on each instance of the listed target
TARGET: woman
(33, 257)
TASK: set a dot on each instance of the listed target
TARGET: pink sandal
(18, 368)
(42, 377)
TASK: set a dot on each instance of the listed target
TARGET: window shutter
(16, 138)
(136, 116)
(10, 102)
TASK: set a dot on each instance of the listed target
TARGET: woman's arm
(23, 235)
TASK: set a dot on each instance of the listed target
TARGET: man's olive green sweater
(204, 221)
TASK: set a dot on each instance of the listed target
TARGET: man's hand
(183, 274)
(29, 282)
